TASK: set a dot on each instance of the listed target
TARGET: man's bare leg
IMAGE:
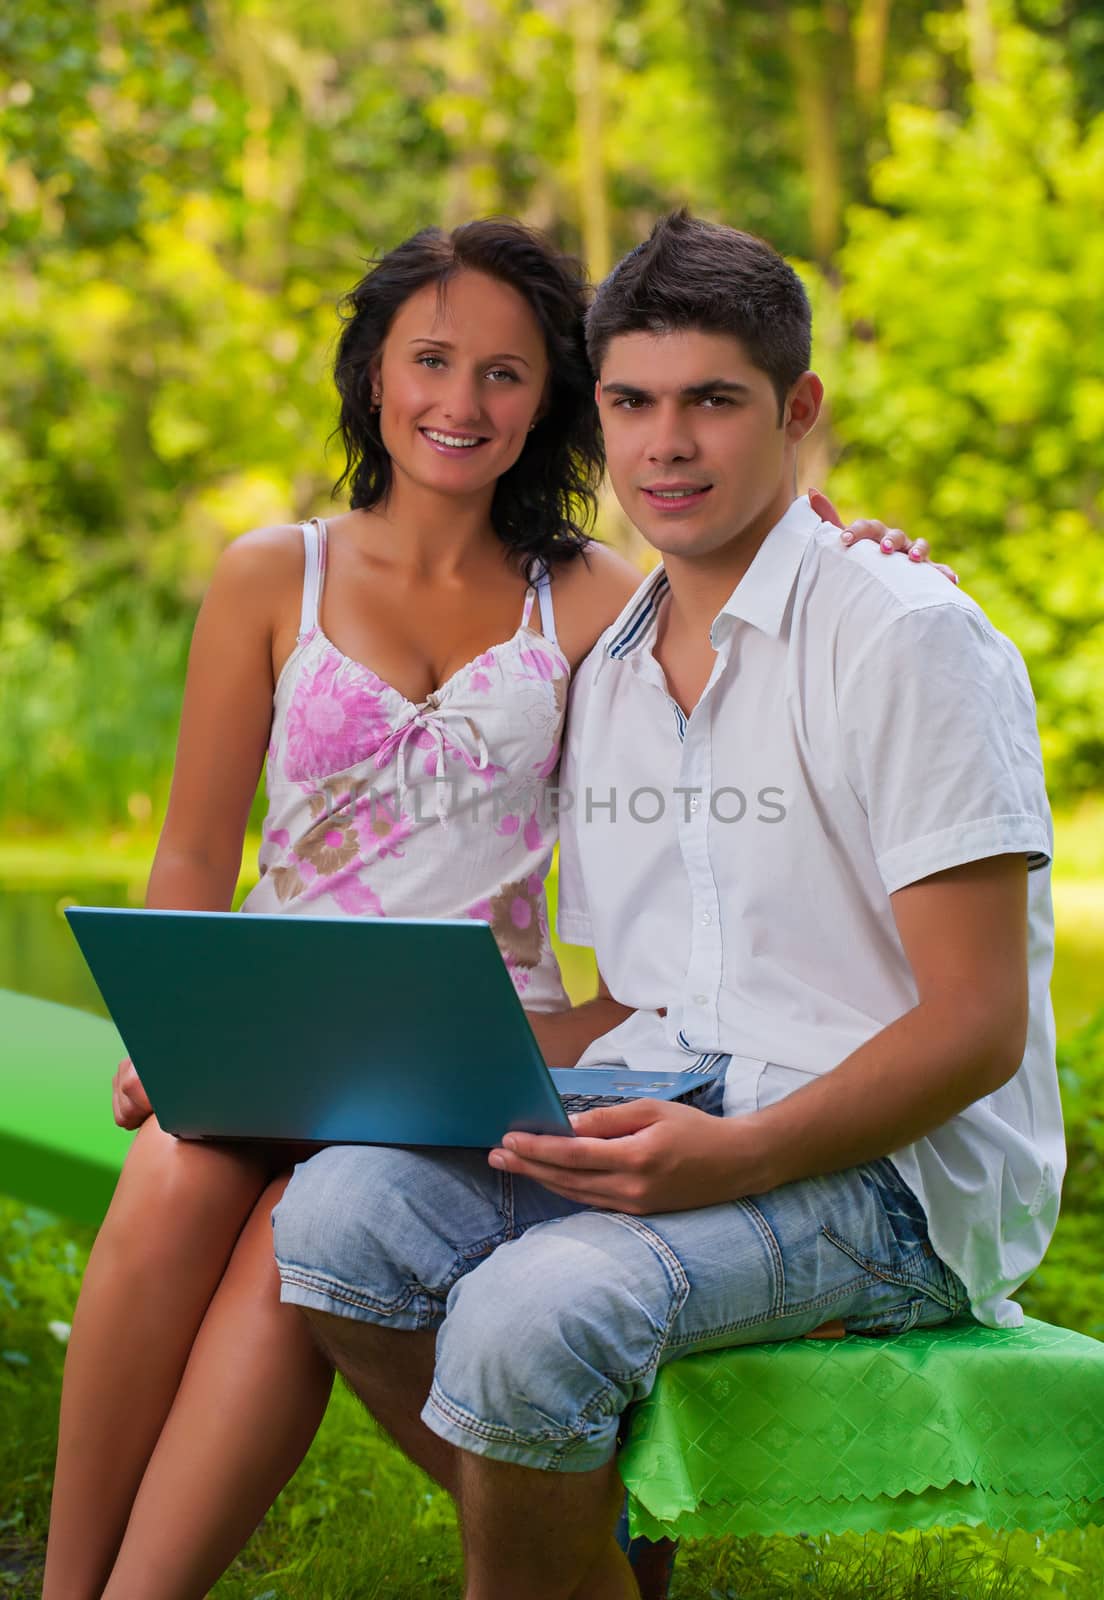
(544, 1535)
(390, 1370)
(525, 1532)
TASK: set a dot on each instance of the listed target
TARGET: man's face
(697, 454)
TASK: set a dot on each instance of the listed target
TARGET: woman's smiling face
(462, 375)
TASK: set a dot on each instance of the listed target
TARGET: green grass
(360, 1523)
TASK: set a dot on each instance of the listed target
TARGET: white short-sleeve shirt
(863, 726)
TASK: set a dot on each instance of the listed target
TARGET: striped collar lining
(708, 1061)
(637, 625)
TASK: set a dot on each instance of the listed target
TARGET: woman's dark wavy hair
(545, 502)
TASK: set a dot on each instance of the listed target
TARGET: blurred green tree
(969, 367)
(188, 186)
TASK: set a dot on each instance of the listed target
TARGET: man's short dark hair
(694, 274)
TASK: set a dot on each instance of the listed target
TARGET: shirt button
(699, 999)
(706, 919)
(695, 803)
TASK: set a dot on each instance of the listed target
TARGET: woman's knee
(176, 1197)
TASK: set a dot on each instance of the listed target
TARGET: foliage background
(187, 188)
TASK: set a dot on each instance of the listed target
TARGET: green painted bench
(939, 1427)
(59, 1148)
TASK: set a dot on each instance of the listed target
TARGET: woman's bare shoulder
(261, 567)
(276, 548)
(590, 593)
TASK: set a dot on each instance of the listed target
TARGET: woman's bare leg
(249, 1404)
(158, 1258)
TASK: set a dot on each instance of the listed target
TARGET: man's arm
(965, 935)
(964, 932)
(564, 1035)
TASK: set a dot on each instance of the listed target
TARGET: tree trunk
(587, 23)
(473, 187)
(871, 37)
(981, 35)
(818, 125)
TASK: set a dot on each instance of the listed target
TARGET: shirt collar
(760, 598)
(636, 624)
(763, 593)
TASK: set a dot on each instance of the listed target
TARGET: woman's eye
(430, 361)
(503, 374)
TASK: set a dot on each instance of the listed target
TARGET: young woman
(373, 658)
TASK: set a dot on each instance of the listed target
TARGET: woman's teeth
(455, 441)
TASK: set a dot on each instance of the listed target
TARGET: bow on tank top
(382, 808)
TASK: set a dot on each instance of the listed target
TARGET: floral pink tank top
(379, 807)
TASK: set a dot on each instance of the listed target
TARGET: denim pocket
(906, 1260)
(900, 1318)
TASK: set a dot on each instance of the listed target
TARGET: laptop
(336, 1030)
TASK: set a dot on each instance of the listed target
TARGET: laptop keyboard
(587, 1102)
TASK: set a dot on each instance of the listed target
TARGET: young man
(809, 835)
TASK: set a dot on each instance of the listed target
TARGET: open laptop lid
(340, 1030)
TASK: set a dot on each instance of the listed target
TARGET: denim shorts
(552, 1318)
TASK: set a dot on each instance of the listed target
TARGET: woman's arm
(224, 730)
(225, 723)
(564, 1035)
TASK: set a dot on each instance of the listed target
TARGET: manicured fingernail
(887, 546)
(847, 537)
(954, 577)
(916, 555)
(812, 490)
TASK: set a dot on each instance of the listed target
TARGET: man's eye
(715, 400)
(628, 402)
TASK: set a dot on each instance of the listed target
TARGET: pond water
(39, 956)
(38, 953)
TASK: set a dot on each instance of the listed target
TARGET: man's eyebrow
(630, 391)
(698, 391)
(445, 344)
(693, 391)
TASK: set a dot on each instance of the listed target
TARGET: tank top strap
(540, 588)
(314, 573)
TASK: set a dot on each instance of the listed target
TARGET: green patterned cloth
(959, 1424)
